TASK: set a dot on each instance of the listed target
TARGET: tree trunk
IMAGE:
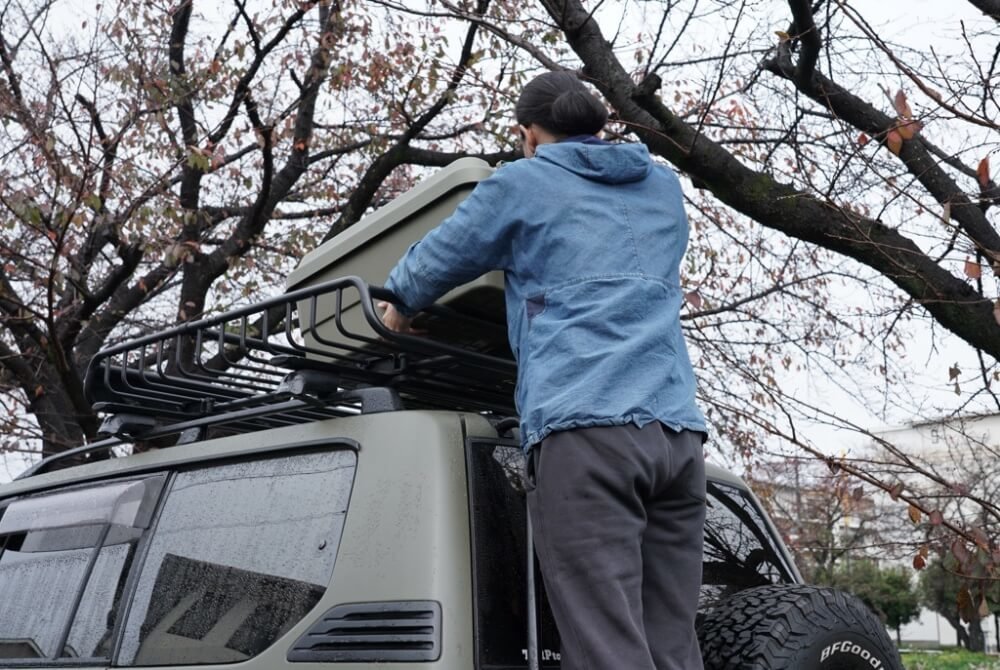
(977, 640)
(960, 634)
(63, 423)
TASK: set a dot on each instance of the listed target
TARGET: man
(590, 236)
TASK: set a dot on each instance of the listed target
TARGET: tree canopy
(166, 160)
(888, 591)
(963, 603)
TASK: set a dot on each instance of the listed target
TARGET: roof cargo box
(473, 314)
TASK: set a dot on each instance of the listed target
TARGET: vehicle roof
(719, 473)
(352, 431)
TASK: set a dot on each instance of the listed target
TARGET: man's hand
(395, 321)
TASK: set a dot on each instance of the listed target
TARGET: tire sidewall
(842, 650)
(795, 627)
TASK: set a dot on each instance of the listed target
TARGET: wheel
(794, 627)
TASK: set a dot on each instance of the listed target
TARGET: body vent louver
(373, 632)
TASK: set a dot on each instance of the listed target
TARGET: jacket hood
(607, 163)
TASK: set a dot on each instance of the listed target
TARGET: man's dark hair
(561, 104)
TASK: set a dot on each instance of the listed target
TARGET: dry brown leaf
(694, 299)
(894, 141)
(901, 105)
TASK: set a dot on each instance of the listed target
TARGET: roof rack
(310, 354)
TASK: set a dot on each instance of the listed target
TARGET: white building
(965, 453)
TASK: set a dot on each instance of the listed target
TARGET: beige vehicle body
(404, 536)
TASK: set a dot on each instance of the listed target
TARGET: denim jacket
(590, 237)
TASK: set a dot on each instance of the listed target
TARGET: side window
(64, 558)
(240, 553)
(739, 549)
(500, 560)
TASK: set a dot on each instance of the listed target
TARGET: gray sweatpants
(618, 515)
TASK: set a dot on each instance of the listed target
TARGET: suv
(351, 500)
(291, 485)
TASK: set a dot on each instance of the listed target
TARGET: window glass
(37, 589)
(90, 636)
(739, 550)
(500, 562)
(240, 553)
(63, 547)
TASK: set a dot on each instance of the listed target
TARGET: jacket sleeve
(475, 239)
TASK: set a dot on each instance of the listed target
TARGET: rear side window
(209, 566)
(240, 553)
(64, 558)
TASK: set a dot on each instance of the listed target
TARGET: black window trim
(135, 568)
(471, 444)
(769, 542)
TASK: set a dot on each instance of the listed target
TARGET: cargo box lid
(464, 173)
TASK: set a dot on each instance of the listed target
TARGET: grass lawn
(950, 659)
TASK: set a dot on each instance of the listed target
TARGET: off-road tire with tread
(795, 627)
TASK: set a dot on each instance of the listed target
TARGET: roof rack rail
(299, 357)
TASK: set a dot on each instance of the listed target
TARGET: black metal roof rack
(271, 364)
(296, 358)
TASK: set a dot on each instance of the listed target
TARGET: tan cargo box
(370, 249)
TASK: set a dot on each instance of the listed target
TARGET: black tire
(794, 627)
